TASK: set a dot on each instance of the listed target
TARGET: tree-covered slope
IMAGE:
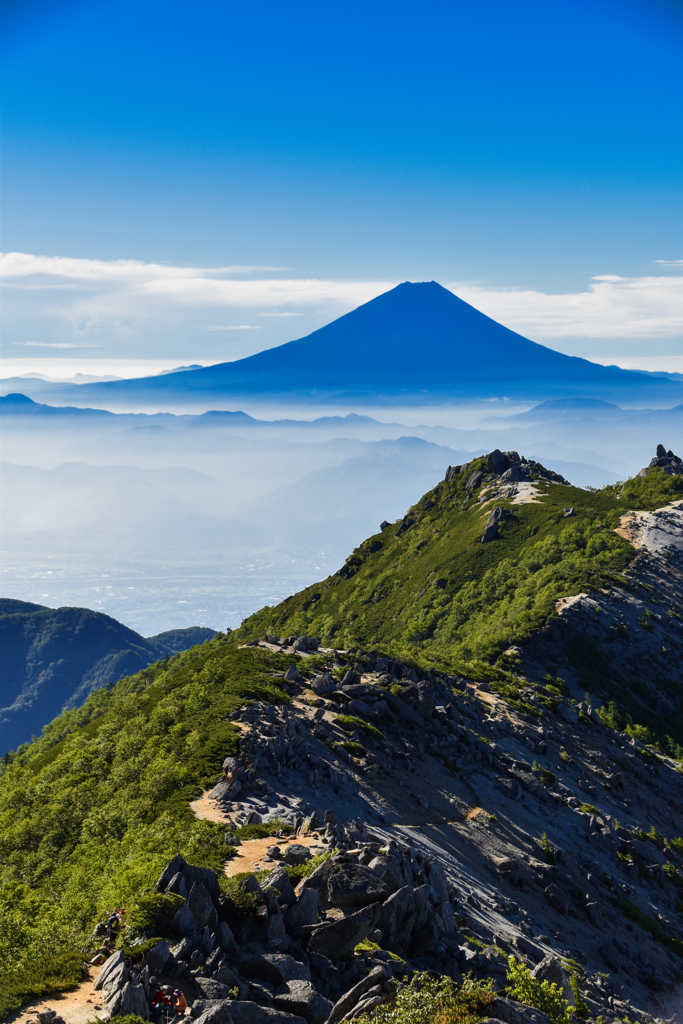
(91, 811)
(54, 657)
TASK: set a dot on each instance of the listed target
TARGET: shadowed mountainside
(54, 657)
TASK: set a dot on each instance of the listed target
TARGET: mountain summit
(417, 342)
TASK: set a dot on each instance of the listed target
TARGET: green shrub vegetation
(428, 1000)
(354, 749)
(92, 811)
(489, 595)
(542, 995)
(151, 910)
(38, 977)
(350, 722)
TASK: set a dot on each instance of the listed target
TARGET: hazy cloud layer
(131, 308)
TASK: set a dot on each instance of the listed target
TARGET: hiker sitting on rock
(179, 1002)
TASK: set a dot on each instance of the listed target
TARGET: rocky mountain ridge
(464, 827)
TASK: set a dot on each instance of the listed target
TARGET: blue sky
(531, 146)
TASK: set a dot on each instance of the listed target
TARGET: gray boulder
(318, 880)
(352, 885)
(225, 937)
(172, 868)
(206, 876)
(296, 854)
(133, 1001)
(219, 1014)
(183, 922)
(323, 683)
(115, 980)
(231, 980)
(551, 970)
(397, 918)
(304, 912)
(107, 967)
(425, 699)
(279, 880)
(297, 997)
(508, 1012)
(351, 998)
(210, 988)
(341, 937)
(201, 907)
(497, 462)
(158, 958)
(277, 968)
(437, 880)
(178, 885)
(245, 1012)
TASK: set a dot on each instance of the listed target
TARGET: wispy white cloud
(231, 327)
(50, 344)
(611, 307)
(146, 309)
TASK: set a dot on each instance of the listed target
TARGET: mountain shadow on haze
(54, 657)
(417, 343)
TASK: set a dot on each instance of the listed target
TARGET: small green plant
(264, 831)
(581, 1011)
(548, 849)
(236, 901)
(565, 756)
(493, 819)
(136, 951)
(542, 995)
(589, 809)
(547, 778)
(353, 748)
(299, 871)
(350, 722)
(366, 946)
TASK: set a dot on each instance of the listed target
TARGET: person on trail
(113, 925)
(179, 1002)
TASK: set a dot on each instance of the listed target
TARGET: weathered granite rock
(351, 998)
(107, 968)
(210, 988)
(277, 968)
(508, 1012)
(244, 1012)
(173, 867)
(551, 970)
(158, 958)
(396, 919)
(352, 885)
(279, 880)
(298, 997)
(178, 885)
(201, 907)
(219, 1014)
(133, 1001)
(304, 912)
(341, 937)
(183, 922)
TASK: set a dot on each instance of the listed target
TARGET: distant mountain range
(54, 657)
(416, 344)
